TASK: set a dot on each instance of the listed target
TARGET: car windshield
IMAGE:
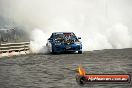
(65, 36)
(59, 36)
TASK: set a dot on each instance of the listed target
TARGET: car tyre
(53, 51)
(79, 52)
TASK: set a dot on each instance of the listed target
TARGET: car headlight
(57, 43)
(78, 43)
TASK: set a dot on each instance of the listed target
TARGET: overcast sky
(44, 11)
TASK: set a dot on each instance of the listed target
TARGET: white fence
(10, 49)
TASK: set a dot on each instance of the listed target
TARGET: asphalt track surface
(58, 71)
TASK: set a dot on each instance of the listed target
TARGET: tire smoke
(102, 24)
(37, 43)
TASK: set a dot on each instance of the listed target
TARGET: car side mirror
(79, 37)
(50, 38)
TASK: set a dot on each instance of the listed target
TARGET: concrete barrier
(11, 49)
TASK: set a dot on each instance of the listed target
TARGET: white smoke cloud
(37, 43)
(102, 24)
(119, 36)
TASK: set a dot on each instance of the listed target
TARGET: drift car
(64, 42)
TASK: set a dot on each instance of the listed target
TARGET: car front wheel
(79, 52)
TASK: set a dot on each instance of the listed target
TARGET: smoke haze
(102, 24)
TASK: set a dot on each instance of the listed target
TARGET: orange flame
(81, 71)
